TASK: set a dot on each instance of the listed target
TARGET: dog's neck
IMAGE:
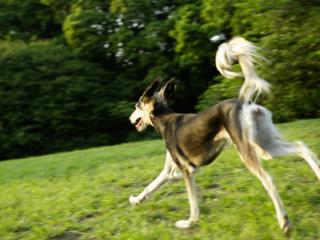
(161, 116)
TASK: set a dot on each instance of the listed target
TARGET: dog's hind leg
(304, 152)
(283, 148)
(264, 134)
(192, 196)
(249, 158)
(156, 183)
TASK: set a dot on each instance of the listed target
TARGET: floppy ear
(152, 88)
(168, 89)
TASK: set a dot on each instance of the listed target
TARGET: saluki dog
(195, 140)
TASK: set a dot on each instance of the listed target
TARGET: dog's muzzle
(138, 123)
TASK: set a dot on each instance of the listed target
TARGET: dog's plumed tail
(240, 50)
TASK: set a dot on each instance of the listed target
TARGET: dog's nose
(131, 119)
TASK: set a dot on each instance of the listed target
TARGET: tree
(71, 71)
(286, 31)
(52, 100)
(16, 23)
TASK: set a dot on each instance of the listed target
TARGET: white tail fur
(243, 51)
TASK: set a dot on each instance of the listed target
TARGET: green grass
(84, 195)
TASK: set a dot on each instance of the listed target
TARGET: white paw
(285, 224)
(134, 200)
(183, 224)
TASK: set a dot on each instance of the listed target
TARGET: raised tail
(240, 50)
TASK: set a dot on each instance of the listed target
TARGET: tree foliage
(287, 33)
(70, 71)
(51, 100)
(16, 23)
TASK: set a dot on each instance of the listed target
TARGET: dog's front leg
(156, 183)
(192, 196)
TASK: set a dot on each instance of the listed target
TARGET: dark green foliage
(51, 100)
(222, 90)
(26, 19)
(287, 32)
(296, 66)
(73, 79)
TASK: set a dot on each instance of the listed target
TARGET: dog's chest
(195, 150)
(195, 140)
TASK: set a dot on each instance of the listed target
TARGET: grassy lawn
(84, 195)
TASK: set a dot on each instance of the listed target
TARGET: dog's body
(195, 140)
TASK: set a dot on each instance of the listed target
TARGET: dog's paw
(286, 227)
(134, 200)
(183, 224)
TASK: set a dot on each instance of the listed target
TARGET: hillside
(84, 195)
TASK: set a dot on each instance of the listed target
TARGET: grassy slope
(84, 195)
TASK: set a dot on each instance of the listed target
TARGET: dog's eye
(138, 105)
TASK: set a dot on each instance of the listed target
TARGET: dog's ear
(152, 88)
(168, 89)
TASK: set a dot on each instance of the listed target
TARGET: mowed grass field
(84, 195)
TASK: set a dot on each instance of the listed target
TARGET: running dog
(195, 140)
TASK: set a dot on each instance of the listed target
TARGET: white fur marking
(144, 115)
(156, 183)
(310, 158)
(243, 51)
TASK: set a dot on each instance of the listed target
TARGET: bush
(51, 100)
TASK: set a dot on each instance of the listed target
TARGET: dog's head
(153, 98)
